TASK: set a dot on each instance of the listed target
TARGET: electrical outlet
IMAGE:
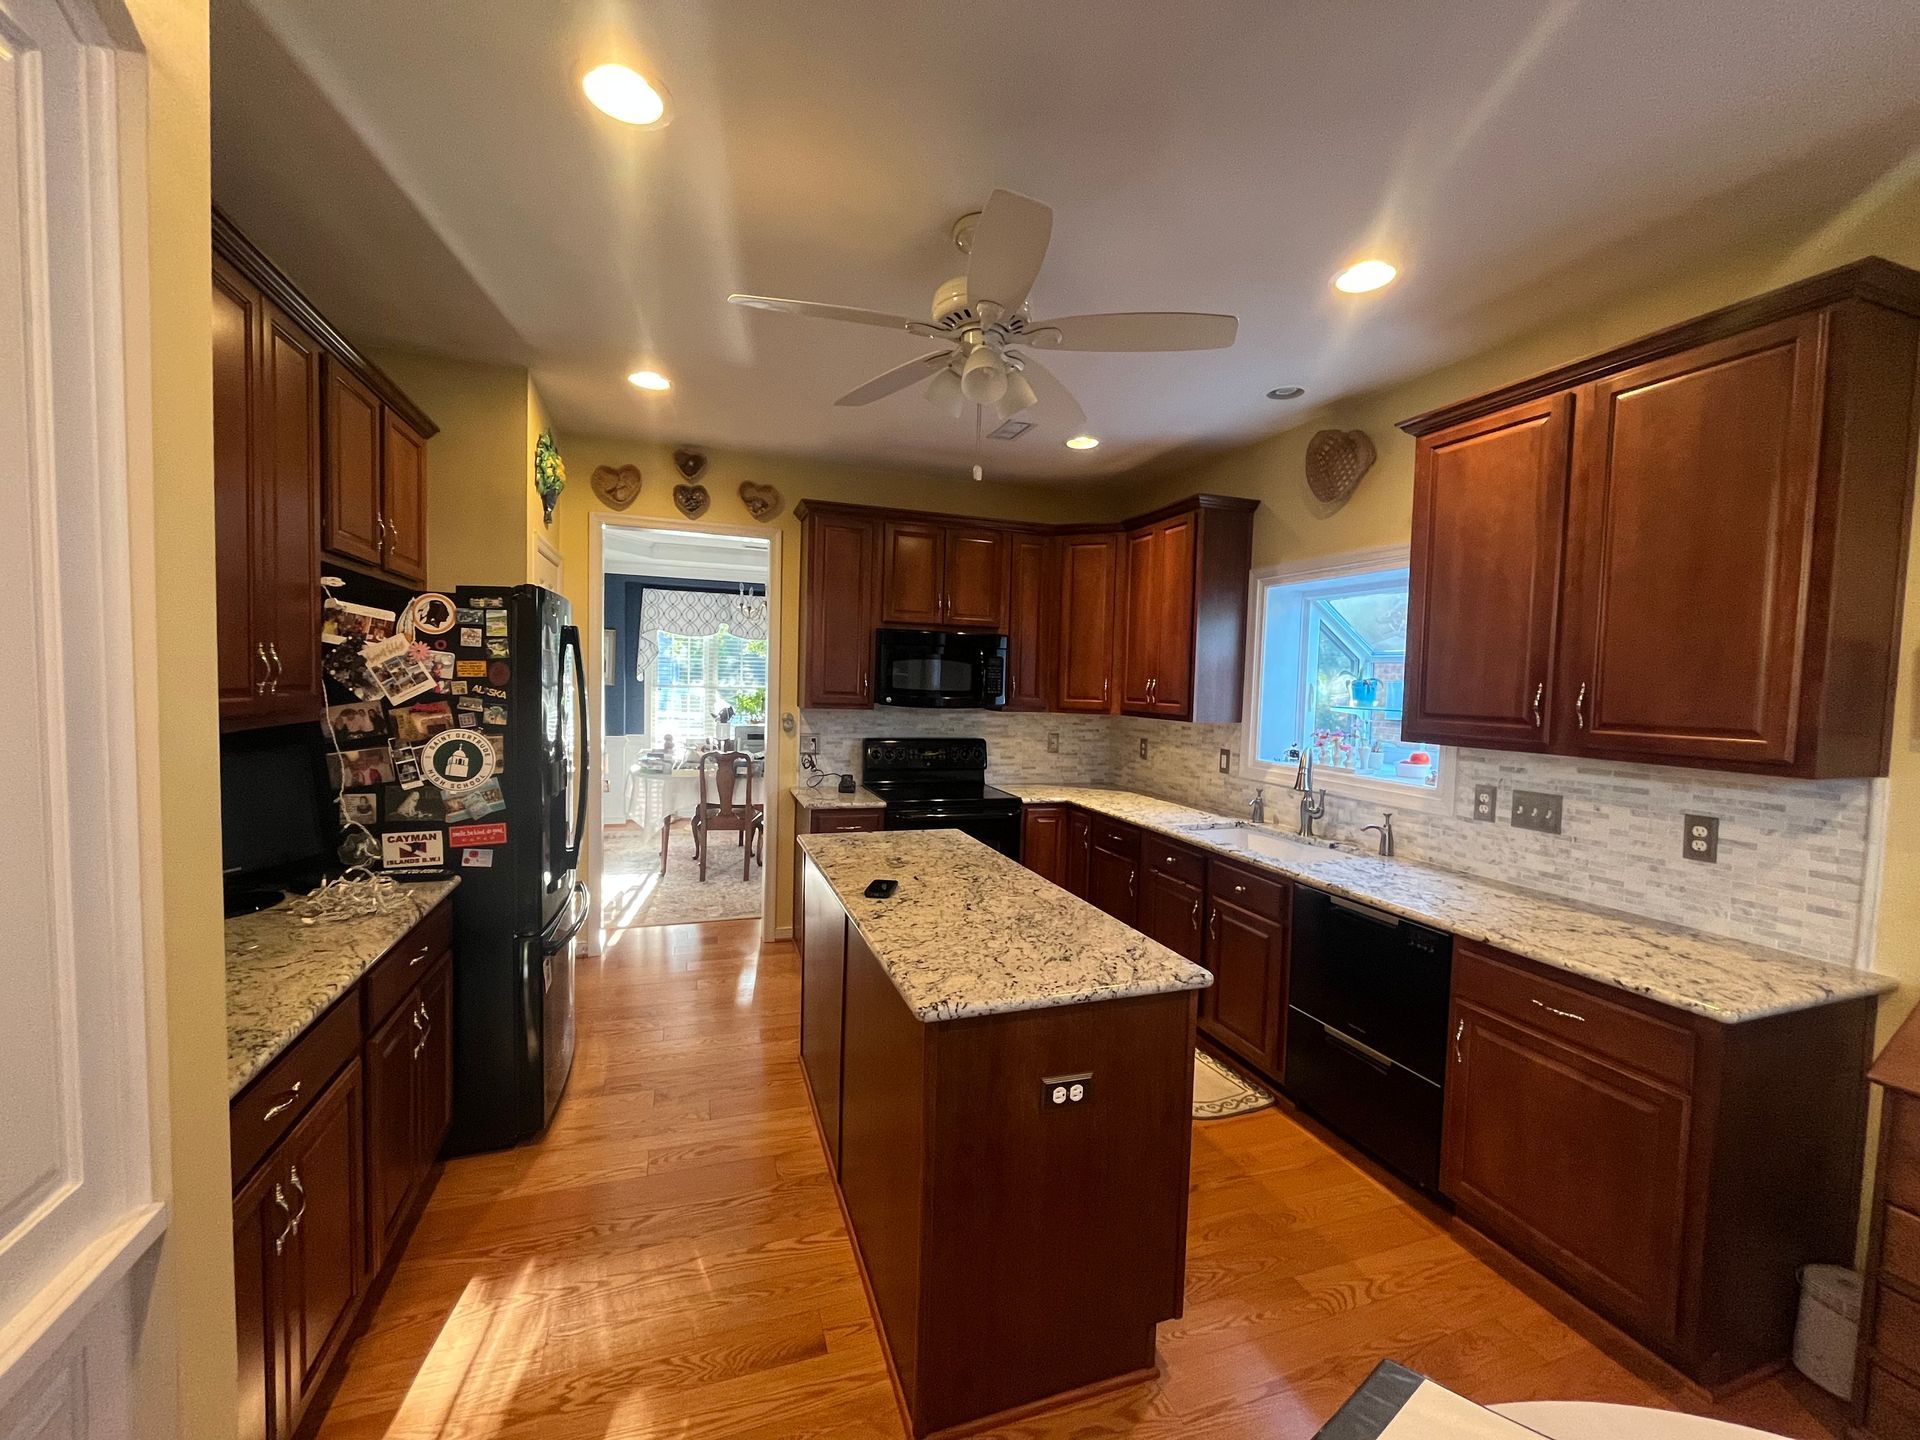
(1143, 747)
(1053, 742)
(1226, 761)
(1536, 810)
(1700, 839)
(1063, 1090)
(809, 744)
(1486, 803)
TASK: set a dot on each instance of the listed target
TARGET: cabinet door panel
(1078, 853)
(403, 498)
(287, 513)
(842, 595)
(823, 982)
(1043, 834)
(1690, 537)
(350, 524)
(236, 367)
(976, 577)
(1172, 603)
(1170, 912)
(1489, 513)
(393, 1152)
(1113, 883)
(324, 1255)
(1089, 573)
(1031, 612)
(1140, 642)
(1247, 955)
(913, 570)
(1577, 1163)
(261, 1215)
(434, 1069)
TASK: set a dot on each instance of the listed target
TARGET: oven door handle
(950, 815)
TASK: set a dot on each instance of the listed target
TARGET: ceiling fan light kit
(982, 320)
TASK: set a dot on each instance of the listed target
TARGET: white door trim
(598, 523)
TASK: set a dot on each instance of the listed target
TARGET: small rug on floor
(638, 894)
(1218, 1092)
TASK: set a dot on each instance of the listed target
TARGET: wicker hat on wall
(1336, 459)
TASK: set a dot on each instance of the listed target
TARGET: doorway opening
(687, 640)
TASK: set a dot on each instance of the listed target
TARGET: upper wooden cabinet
(403, 498)
(1032, 613)
(1089, 591)
(937, 575)
(840, 589)
(352, 508)
(1735, 495)
(1184, 646)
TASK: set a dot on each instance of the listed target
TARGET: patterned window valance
(700, 613)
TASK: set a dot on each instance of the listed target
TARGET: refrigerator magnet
(428, 614)
(470, 637)
(470, 669)
(466, 615)
(492, 833)
(476, 859)
(457, 761)
(413, 849)
(406, 766)
(496, 624)
(499, 672)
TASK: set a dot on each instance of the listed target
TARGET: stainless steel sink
(1275, 844)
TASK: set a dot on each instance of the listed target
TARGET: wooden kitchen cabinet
(1737, 503)
(840, 586)
(1077, 854)
(1043, 841)
(1489, 516)
(816, 820)
(1089, 591)
(1183, 644)
(1032, 612)
(266, 378)
(1649, 1159)
(409, 1065)
(937, 575)
(1248, 922)
(1173, 897)
(1113, 870)
(823, 981)
(375, 481)
(1886, 1389)
(403, 499)
(1157, 652)
(261, 1212)
(976, 565)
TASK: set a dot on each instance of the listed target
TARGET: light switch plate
(1143, 747)
(1486, 803)
(1226, 761)
(1536, 810)
(1700, 839)
(1053, 742)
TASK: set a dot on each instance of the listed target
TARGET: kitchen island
(1003, 1079)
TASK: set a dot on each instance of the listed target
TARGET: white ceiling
(430, 172)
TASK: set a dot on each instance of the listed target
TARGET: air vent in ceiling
(1011, 430)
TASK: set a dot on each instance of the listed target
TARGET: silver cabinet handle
(260, 685)
(1365, 1052)
(419, 1029)
(1539, 694)
(1132, 875)
(419, 956)
(273, 654)
(1239, 889)
(1563, 1014)
(1458, 1031)
(286, 1210)
(1213, 926)
(285, 1102)
(300, 1193)
(1580, 706)
(1196, 914)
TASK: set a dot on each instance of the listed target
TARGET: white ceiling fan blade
(1057, 406)
(851, 314)
(1135, 330)
(898, 378)
(1008, 245)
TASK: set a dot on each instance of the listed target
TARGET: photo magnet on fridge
(359, 807)
(470, 637)
(417, 724)
(360, 768)
(420, 806)
(406, 766)
(354, 724)
(413, 849)
(344, 620)
(476, 804)
(396, 671)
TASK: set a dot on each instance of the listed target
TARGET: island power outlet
(1062, 1091)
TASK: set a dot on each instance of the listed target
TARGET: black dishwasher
(1367, 1028)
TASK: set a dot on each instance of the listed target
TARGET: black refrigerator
(520, 907)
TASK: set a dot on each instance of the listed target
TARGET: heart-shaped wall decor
(617, 485)
(692, 500)
(762, 501)
(691, 463)
(1336, 459)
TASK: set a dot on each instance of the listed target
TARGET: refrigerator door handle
(570, 636)
(568, 922)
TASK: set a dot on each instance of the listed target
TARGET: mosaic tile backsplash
(1793, 861)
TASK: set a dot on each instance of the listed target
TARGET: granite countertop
(282, 974)
(1720, 979)
(826, 797)
(970, 932)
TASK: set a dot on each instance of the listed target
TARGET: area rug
(1218, 1092)
(638, 894)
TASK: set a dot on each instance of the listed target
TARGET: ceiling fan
(985, 328)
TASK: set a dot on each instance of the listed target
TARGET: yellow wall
(479, 466)
(186, 1355)
(796, 480)
(1290, 525)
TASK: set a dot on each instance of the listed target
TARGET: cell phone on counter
(881, 889)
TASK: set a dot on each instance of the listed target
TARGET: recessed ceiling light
(1286, 392)
(1082, 442)
(625, 94)
(1366, 275)
(650, 380)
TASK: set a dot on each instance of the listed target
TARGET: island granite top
(970, 932)
(283, 974)
(1720, 979)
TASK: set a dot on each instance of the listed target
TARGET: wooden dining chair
(731, 808)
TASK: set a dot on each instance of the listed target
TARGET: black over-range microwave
(940, 669)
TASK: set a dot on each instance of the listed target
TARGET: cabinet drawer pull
(280, 1199)
(1580, 706)
(1131, 892)
(1213, 926)
(260, 685)
(1196, 914)
(1459, 1030)
(273, 654)
(421, 955)
(1563, 1014)
(300, 1193)
(423, 1023)
(1539, 694)
(1239, 889)
(285, 1102)
(1366, 1052)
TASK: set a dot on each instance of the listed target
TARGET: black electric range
(940, 784)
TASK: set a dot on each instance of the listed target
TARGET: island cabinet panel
(812, 820)
(1489, 513)
(823, 971)
(1043, 841)
(1650, 1159)
(1078, 853)
(1113, 870)
(1089, 589)
(840, 589)
(1737, 498)
(1032, 614)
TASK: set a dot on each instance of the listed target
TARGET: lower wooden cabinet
(1245, 1007)
(1113, 870)
(1078, 852)
(1887, 1381)
(409, 1106)
(1043, 841)
(823, 980)
(810, 820)
(1173, 897)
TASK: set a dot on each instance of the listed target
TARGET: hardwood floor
(670, 1260)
